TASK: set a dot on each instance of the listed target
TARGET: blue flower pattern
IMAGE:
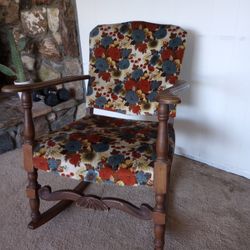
(94, 32)
(115, 160)
(106, 41)
(137, 74)
(175, 42)
(138, 36)
(101, 101)
(53, 164)
(131, 97)
(100, 147)
(101, 64)
(73, 146)
(124, 64)
(169, 67)
(161, 33)
(142, 177)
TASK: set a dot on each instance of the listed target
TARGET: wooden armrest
(167, 96)
(41, 85)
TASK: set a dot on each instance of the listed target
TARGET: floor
(208, 209)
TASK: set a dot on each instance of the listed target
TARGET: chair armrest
(41, 85)
(168, 96)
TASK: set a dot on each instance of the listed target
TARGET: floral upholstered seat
(120, 151)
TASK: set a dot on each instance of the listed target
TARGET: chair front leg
(29, 136)
(32, 194)
(161, 169)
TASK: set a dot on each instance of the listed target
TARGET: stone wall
(49, 37)
(46, 119)
(47, 30)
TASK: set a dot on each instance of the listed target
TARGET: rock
(6, 143)
(19, 136)
(41, 126)
(58, 38)
(18, 33)
(2, 15)
(12, 14)
(64, 118)
(40, 109)
(47, 73)
(43, 1)
(11, 114)
(4, 3)
(81, 111)
(68, 28)
(64, 105)
(58, 66)
(53, 19)
(76, 89)
(69, 39)
(12, 132)
(28, 62)
(49, 49)
(51, 117)
(34, 21)
(73, 67)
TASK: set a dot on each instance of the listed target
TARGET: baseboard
(232, 170)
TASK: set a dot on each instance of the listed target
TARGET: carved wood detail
(57, 208)
(91, 201)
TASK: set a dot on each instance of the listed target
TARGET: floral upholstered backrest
(130, 62)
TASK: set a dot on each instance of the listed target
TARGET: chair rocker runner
(133, 70)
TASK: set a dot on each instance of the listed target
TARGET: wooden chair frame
(162, 168)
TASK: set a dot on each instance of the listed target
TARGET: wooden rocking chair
(133, 71)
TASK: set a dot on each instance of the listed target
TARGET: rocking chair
(133, 72)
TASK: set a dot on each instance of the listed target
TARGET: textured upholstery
(130, 62)
(101, 149)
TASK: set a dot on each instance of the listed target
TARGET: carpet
(208, 209)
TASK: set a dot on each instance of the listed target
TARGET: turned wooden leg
(32, 194)
(29, 136)
(159, 221)
(161, 176)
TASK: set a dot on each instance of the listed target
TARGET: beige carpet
(209, 209)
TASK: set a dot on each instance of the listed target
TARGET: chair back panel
(130, 63)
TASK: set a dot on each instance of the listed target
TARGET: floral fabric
(130, 63)
(101, 149)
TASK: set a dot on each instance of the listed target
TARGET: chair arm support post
(29, 137)
(160, 176)
(29, 128)
(162, 136)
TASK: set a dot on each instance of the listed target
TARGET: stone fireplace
(48, 31)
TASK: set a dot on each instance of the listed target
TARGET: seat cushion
(101, 149)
